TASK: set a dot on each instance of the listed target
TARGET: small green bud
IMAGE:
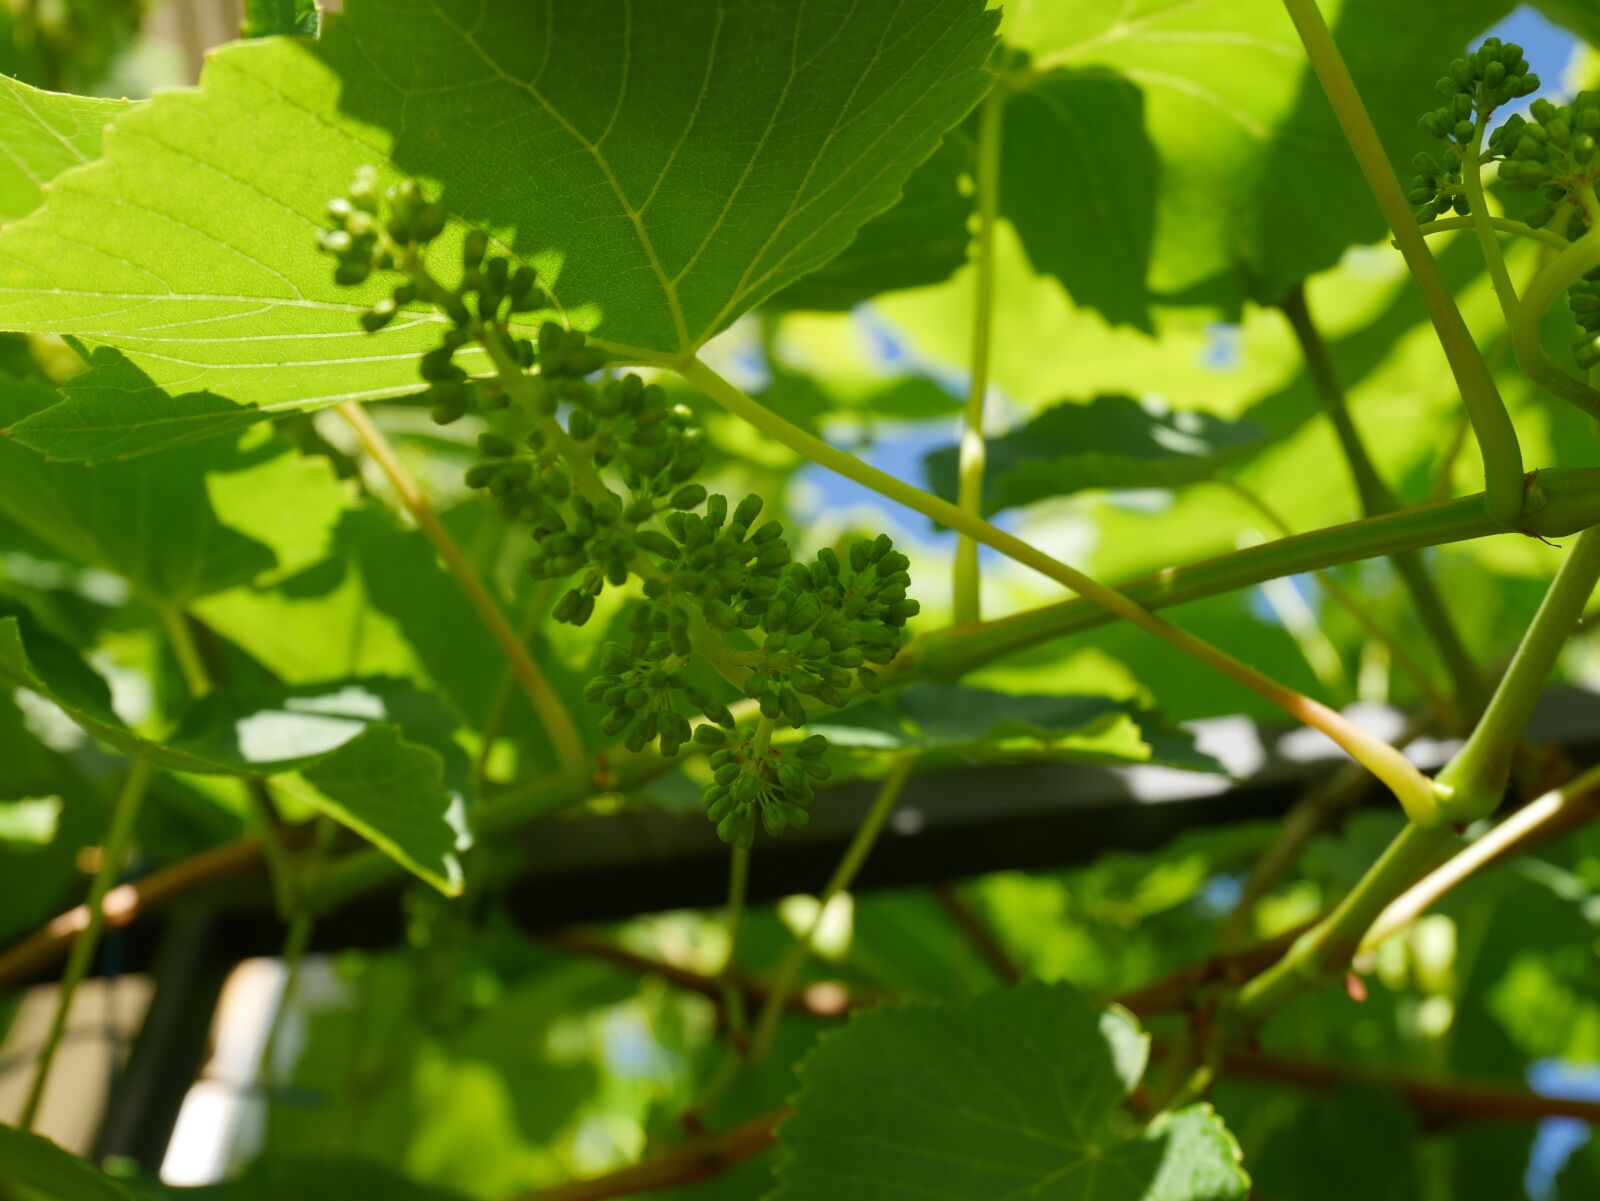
(690, 496)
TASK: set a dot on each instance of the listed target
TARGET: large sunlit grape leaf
(1019, 1093)
(41, 135)
(177, 526)
(1111, 442)
(372, 754)
(1254, 181)
(665, 166)
(921, 240)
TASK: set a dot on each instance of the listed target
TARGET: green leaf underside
(921, 240)
(350, 741)
(1111, 442)
(666, 168)
(41, 135)
(955, 719)
(115, 411)
(34, 1162)
(1017, 1094)
(159, 522)
(1077, 174)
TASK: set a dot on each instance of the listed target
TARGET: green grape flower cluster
(391, 231)
(751, 781)
(727, 568)
(828, 624)
(1492, 75)
(1554, 153)
(605, 480)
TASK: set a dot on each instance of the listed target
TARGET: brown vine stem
(1438, 1102)
(817, 1003)
(978, 934)
(698, 1159)
(25, 960)
(552, 712)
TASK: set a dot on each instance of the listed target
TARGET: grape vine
(717, 585)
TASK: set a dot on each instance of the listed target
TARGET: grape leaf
(375, 755)
(1309, 1157)
(1016, 1093)
(115, 411)
(1078, 179)
(34, 1162)
(39, 838)
(978, 722)
(1255, 185)
(666, 167)
(1111, 442)
(195, 520)
(41, 135)
(921, 240)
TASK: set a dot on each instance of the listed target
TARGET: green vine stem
(1318, 809)
(1568, 500)
(1565, 501)
(557, 722)
(258, 804)
(1377, 499)
(113, 854)
(1574, 804)
(1505, 225)
(1497, 437)
(1483, 223)
(1535, 364)
(533, 613)
(1474, 780)
(732, 993)
(843, 877)
(1327, 948)
(1470, 787)
(1548, 287)
(969, 485)
(1411, 787)
(296, 940)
